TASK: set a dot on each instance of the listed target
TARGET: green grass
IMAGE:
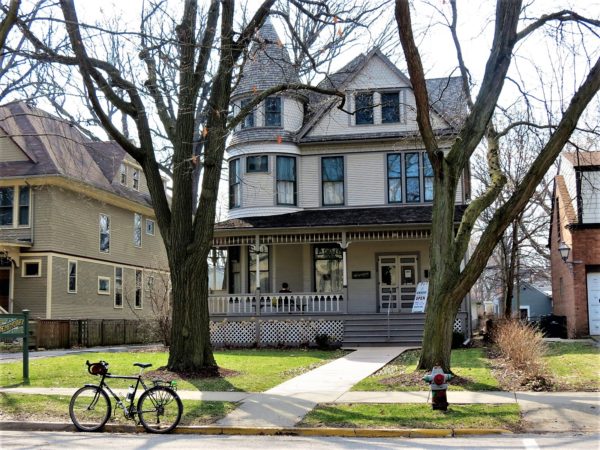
(55, 408)
(413, 416)
(255, 370)
(469, 365)
(574, 366)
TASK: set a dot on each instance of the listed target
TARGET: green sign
(17, 326)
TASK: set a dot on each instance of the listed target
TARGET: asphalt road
(53, 440)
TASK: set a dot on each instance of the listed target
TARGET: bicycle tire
(159, 409)
(90, 408)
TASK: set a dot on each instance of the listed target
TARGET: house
(530, 300)
(575, 242)
(338, 206)
(78, 235)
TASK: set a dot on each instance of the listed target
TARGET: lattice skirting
(272, 333)
(459, 325)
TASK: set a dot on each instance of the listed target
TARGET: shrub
(522, 345)
(323, 341)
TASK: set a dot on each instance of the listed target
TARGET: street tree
(453, 271)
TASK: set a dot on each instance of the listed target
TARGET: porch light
(564, 251)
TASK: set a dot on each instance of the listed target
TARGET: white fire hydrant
(437, 382)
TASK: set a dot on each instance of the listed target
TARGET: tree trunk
(509, 287)
(190, 334)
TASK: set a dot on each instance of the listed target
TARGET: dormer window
(364, 108)
(248, 121)
(136, 179)
(123, 174)
(390, 107)
(273, 112)
(257, 163)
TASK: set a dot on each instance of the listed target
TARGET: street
(55, 440)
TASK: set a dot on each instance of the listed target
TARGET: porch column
(344, 245)
(257, 274)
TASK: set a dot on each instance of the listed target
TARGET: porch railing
(277, 303)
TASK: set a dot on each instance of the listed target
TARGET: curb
(270, 431)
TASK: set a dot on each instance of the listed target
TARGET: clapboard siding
(30, 293)
(366, 179)
(9, 151)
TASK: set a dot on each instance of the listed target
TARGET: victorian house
(329, 213)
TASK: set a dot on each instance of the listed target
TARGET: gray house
(78, 236)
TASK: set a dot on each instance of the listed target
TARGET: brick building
(575, 242)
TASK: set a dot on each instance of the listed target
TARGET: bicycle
(158, 409)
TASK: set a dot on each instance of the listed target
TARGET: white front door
(593, 294)
(397, 282)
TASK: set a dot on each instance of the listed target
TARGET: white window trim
(527, 308)
(121, 182)
(153, 227)
(141, 232)
(122, 288)
(133, 179)
(100, 232)
(16, 207)
(100, 292)
(69, 275)
(31, 261)
(141, 289)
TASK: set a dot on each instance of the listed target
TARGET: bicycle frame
(129, 410)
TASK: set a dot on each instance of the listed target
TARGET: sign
(11, 326)
(361, 275)
(17, 326)
(421, 297)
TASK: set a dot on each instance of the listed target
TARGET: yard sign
(17, 326)
(421, 297)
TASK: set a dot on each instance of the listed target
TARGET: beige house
(338, 206)
(78, 236)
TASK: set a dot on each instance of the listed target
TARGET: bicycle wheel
(89, 408)
(159, 409)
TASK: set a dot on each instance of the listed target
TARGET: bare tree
(453, 272)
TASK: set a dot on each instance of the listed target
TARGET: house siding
(590, 197)
(286, 262)
(366, 179)
(30, 293)
(9, 152)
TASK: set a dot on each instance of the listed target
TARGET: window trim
(251, 258)
(141, 289)
(27, 262)
(153, 222)
(123, 174)
(237, 183)
(149, 283)
(136, 215)
(250, 115)
(387, 170)
(69, 262)
(100, 291)
(122, 289)
(295, 181)
(418, 177)
(100, 233)
(257, 171)
(343, 182)
(266, 111)
(16, 207)
(397, 95)
(314, 261)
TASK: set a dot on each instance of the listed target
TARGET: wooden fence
(50, 334)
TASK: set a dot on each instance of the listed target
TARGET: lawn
(470, 367)
(55, 408)
(505, 416)
(249, 370)
(575, 366)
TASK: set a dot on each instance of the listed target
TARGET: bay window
(286, 180)
(257, 163)
(7, 198)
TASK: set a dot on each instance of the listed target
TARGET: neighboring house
(336, 205)
(531, 301)
(575, 229)
(78, 237)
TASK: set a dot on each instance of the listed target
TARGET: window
(248, 121)
(413, 184)
(364, 108)
(24, 206)
(234, 279)
(257, 163)
(123, 174)
(32, 268)
(263, 267)
(137, 230)
(7, 195)
(394, 173)
(286, 180)
(150, 227)
(104, 233)
(234, 183)
(273, 112)
(332, 175)
(328, 268)
(427, 179)
(104, 285)
(118, 287)
(72, 277)
(138, 289)
(136, 179)
(390, 107)
(149, 283)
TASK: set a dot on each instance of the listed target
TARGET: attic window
(136, 179)
(273, 112)
(364, 108)
(390, 107)
(123, 175)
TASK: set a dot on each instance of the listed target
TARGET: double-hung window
(136, 179)
(138, 289)
(72, 281)
(286, 180)
(328, 268)
(234, 183)
(137, 230)
(7, 198)
(104, 233)
(332, 176)
(248, 121)
(427, 179)
(123, 174)
(263, 267)
(390, 107)
(273, 112)
(394, 173)
(364, 108)
(413, 183)
(118, 287)
(257, 163)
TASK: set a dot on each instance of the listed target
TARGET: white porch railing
(277, 303)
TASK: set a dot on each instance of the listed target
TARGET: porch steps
(402, 329)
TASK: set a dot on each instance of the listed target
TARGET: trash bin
(554, 326)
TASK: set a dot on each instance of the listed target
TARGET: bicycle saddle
(143, 365)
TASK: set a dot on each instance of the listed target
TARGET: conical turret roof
(268, 63)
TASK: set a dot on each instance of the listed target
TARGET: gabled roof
(268, 63)
(58, 148)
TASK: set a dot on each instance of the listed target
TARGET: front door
(397, 282)
(593, 288)
(4, 288)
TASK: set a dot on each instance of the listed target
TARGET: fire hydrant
(437, 382)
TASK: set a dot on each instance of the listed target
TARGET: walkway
(287, 403)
